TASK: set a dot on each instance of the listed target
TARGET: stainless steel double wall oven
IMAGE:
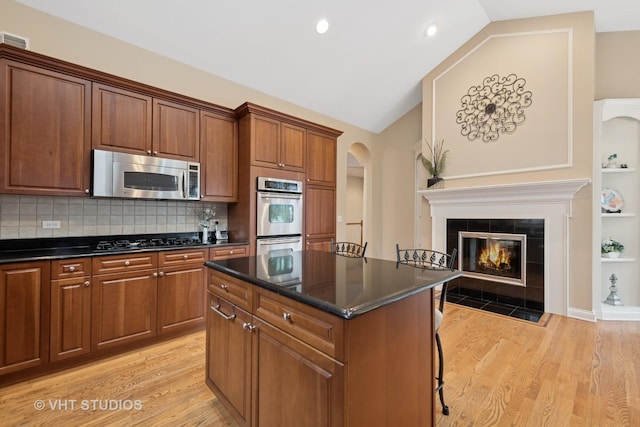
(279, 215)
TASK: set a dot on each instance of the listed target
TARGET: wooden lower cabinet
(312, 368)
(181, 297)
(296, 385)
(228, 364)
(124, 308)
(24, 310)
(70, 334)
(264, 375)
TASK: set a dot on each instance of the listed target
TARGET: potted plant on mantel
(434, 165)
(611, 248)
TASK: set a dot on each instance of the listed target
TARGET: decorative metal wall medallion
(493, 108)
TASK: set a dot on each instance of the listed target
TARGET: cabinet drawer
(229, 252)
(315, 327)
(68, 268)
(126, 262)
(180, 257)
(235, 291)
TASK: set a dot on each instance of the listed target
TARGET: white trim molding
(548, 200)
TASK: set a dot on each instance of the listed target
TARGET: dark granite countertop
(346, 287)
(43, 249)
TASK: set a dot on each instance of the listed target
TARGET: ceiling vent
(14, 40)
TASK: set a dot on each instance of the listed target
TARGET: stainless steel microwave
(143, 177)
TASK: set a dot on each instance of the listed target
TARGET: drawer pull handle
(248, 326)
(186, 257)
(216, 308)
(155, 274)
(72, 268)
(230, 252)
(161, 274)
(224, 287)
(127, 263)
(286, 316)
(87, 283)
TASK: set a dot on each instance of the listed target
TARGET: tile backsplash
(22, 216)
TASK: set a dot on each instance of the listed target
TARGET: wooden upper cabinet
(176, 130)
(45, 125)
(321, 159)
(135, 123)
(292, 147)
(121, 120)
(218, 158)
(278, 144)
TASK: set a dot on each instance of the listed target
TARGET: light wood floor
(499, 371)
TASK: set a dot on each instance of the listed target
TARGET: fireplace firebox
(499, 257)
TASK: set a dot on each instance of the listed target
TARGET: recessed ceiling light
(322, 26)
(431, 30)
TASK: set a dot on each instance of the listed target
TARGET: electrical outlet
(50, 224)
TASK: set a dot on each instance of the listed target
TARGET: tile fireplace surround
(547, 200)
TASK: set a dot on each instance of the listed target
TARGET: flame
(495, 257)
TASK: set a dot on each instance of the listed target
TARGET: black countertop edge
(53, 253)
(347, 314)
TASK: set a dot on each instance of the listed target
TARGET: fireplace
(502, 260)
(500, 257)
(548, 255)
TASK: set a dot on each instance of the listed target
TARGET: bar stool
(427, 258)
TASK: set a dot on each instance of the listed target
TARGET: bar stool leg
(445, 408)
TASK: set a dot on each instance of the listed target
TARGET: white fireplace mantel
(548, 200)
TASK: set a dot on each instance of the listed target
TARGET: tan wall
(580, 164)
(397, 162)
(618, 65)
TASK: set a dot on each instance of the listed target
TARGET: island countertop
(346, 287)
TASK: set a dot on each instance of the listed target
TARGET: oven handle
(267, 196)
(269, 242)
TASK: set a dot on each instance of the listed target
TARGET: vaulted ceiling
(366, 70)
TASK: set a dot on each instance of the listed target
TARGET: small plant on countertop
(206, 219)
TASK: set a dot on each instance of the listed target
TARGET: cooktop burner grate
(114, 245)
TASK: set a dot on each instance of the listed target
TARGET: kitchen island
(313, 339)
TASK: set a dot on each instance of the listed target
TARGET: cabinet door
(265, 145)
(292, 147)
(218, 158)
(45, 122)
(121, 120)
(176, 131)
(181, 294)
(123, 308)
(24, 323)
(321, 159)
(295, 384)
(320, 212)
(228, 364)
(70, 318)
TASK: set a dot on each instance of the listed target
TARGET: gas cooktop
(158, 242)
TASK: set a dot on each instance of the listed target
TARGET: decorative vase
(435, 182)
(205, 235)
(612, 254)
